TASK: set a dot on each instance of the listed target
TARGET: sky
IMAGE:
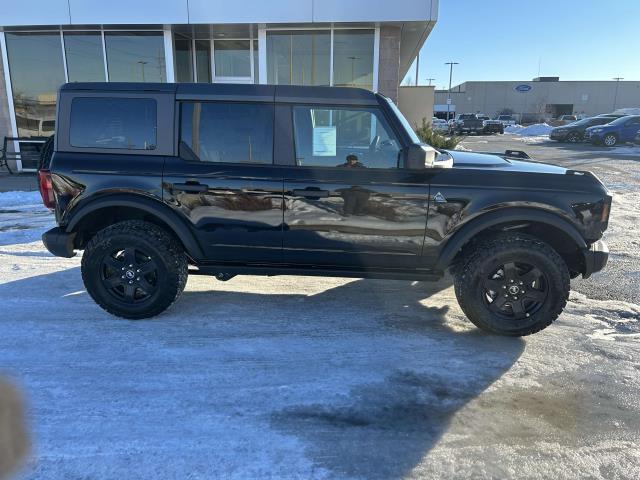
(517, 39)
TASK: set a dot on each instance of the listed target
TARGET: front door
(346, 201)
(224, 181)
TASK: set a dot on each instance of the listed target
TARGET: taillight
(46, 188)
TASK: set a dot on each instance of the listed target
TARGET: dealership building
(541, 98)
(45, 43)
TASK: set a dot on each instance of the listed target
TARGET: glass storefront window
(184, 59)
(37, 71)
(353, 58)
(135, 56)
(84, 55)
(203, 61)
(232, 58)
(298, 57)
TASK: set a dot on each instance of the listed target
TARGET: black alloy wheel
(130, 275)
(515, 290)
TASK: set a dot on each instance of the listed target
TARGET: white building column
(169, 54)
(8, 86)
(262, 53)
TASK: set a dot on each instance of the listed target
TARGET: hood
(496, 161)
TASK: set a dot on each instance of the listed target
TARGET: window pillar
(169, 54)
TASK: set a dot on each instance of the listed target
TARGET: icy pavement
(303, 377)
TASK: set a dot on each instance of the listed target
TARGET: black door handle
(188, 187)
(308, 193)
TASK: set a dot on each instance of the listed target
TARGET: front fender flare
(471, 228)
(148, 205)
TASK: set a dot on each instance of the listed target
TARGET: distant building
(541, 98)
(45, 43)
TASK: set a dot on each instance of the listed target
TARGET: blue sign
(523, 88)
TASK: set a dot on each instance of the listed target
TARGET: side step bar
(226, 272)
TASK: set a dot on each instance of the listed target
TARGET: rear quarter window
(118, 123)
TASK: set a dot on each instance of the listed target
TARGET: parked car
(620, 130)
(158, 181)
(506, 120)
(439, 125)
(490, 126)
(574, 132)
(613, 115)
(467, 123)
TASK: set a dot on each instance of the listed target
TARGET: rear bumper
(59, 242)
(595, 258)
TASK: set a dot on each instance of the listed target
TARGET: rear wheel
(134, 269)
(610, 140)
(512, 284)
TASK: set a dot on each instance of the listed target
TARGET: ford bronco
(157, 181)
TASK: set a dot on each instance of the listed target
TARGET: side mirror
(419, 157)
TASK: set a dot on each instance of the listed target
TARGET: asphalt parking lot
(324, 378)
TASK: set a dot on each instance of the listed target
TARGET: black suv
(156, 181)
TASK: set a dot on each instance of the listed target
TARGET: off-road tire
(500, 249)
(166, 251)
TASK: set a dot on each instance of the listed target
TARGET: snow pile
(513, 129)
(627, 111)
(534, 130)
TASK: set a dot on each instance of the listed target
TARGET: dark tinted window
(227, 132)
(128, 123)
(343, 137)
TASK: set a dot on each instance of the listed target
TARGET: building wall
(389, 62)
(416, 103)
(587, 97)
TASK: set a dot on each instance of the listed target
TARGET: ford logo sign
(523, 88)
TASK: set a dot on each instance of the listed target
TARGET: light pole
(451, 64)
(430, 80)
(615, 96)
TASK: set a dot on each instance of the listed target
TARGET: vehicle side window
(122, 123)
(343, 137)
(227, 132)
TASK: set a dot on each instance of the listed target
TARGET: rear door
(224, 182)
(347, 202)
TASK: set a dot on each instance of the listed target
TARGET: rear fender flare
(148, 205)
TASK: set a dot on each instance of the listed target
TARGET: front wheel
(512, 284)
(134, 269)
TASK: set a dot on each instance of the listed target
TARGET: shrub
(436, 140)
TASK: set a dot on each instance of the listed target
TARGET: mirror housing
(419, 157)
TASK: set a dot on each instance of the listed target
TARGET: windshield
(407, 126)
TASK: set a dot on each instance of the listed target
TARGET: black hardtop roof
(237, 92)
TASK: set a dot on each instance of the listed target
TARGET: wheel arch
(549, 227)
(106, 210)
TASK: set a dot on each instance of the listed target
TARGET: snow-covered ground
(305, 377)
